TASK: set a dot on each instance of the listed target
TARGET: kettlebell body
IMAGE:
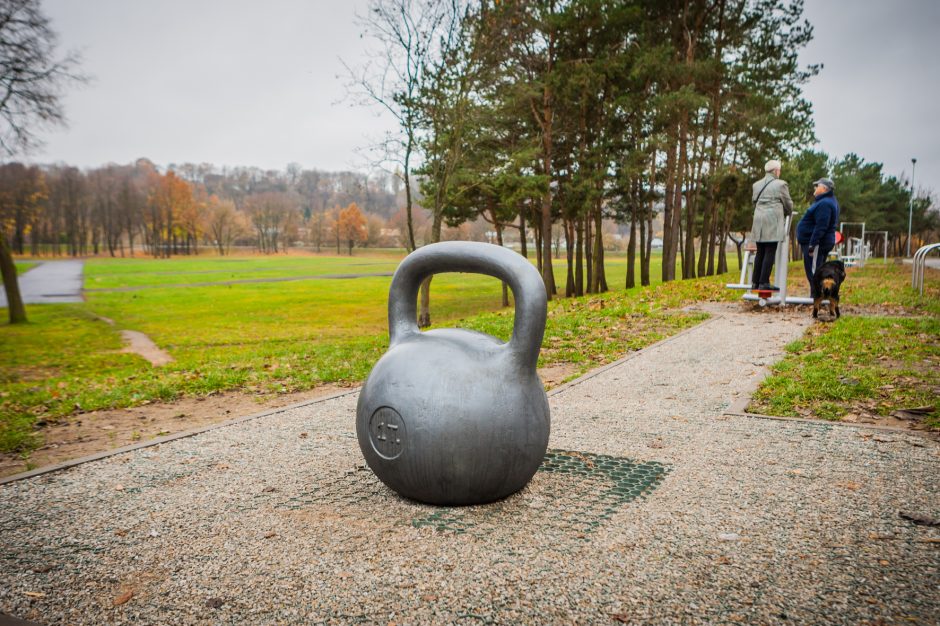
(452, 416)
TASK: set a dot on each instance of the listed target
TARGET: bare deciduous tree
(31, 76)
(223, 223)
(406, 33)
(31, 82)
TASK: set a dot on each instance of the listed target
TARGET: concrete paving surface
(653, 506)
(50, 282)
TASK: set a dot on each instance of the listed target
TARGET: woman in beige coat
(772, 204)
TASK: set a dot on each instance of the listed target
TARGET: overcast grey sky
(240, 82)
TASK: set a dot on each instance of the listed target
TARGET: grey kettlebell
(453, 416)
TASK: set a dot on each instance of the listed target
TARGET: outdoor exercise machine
(854, 251)
(781, 266)
(920, 264)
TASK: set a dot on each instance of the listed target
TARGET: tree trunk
(644, 255)
(407, 176)
(687, 248)
(523, 245)
(631, 249)
(499, 241)
(579, 257)
(713, 235)
(705, 238)
(679, 234)
(600, 276)
(548, 275)
(11, 284)
(589, 253)
(669, 209)
(569, 253)
(424, 313)
(538, 247)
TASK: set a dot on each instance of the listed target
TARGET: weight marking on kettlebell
(386, 432)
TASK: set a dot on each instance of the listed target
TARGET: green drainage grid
(588, 489)
(573, 493)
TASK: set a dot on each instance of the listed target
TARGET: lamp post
(910, 209)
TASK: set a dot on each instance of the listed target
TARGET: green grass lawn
(279, 337)
(858, 365)
(122, 273)
(886, 360)
(24, 266)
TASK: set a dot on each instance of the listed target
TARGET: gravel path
(50, 282)
(653, 507)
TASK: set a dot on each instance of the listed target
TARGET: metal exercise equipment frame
(920, 264)
(853, 251)
(781, 267)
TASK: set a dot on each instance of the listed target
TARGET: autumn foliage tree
(222, 223)
(351, 226)
(169, 204)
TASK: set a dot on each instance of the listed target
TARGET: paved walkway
(652, 507)
(50, 282)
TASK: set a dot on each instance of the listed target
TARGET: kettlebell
(451, 416)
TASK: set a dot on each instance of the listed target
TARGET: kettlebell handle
(477, 258)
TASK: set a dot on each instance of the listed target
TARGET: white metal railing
(920, 263)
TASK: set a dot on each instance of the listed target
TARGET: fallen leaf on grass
(623, 618)
(215, 603)
(123, 598)
(34, 594)
(913, 414)
(852, 486)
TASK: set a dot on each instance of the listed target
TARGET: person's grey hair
(772, 165)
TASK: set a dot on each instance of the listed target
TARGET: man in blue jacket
(816, 232)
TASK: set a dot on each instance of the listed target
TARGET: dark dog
(826, 282)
